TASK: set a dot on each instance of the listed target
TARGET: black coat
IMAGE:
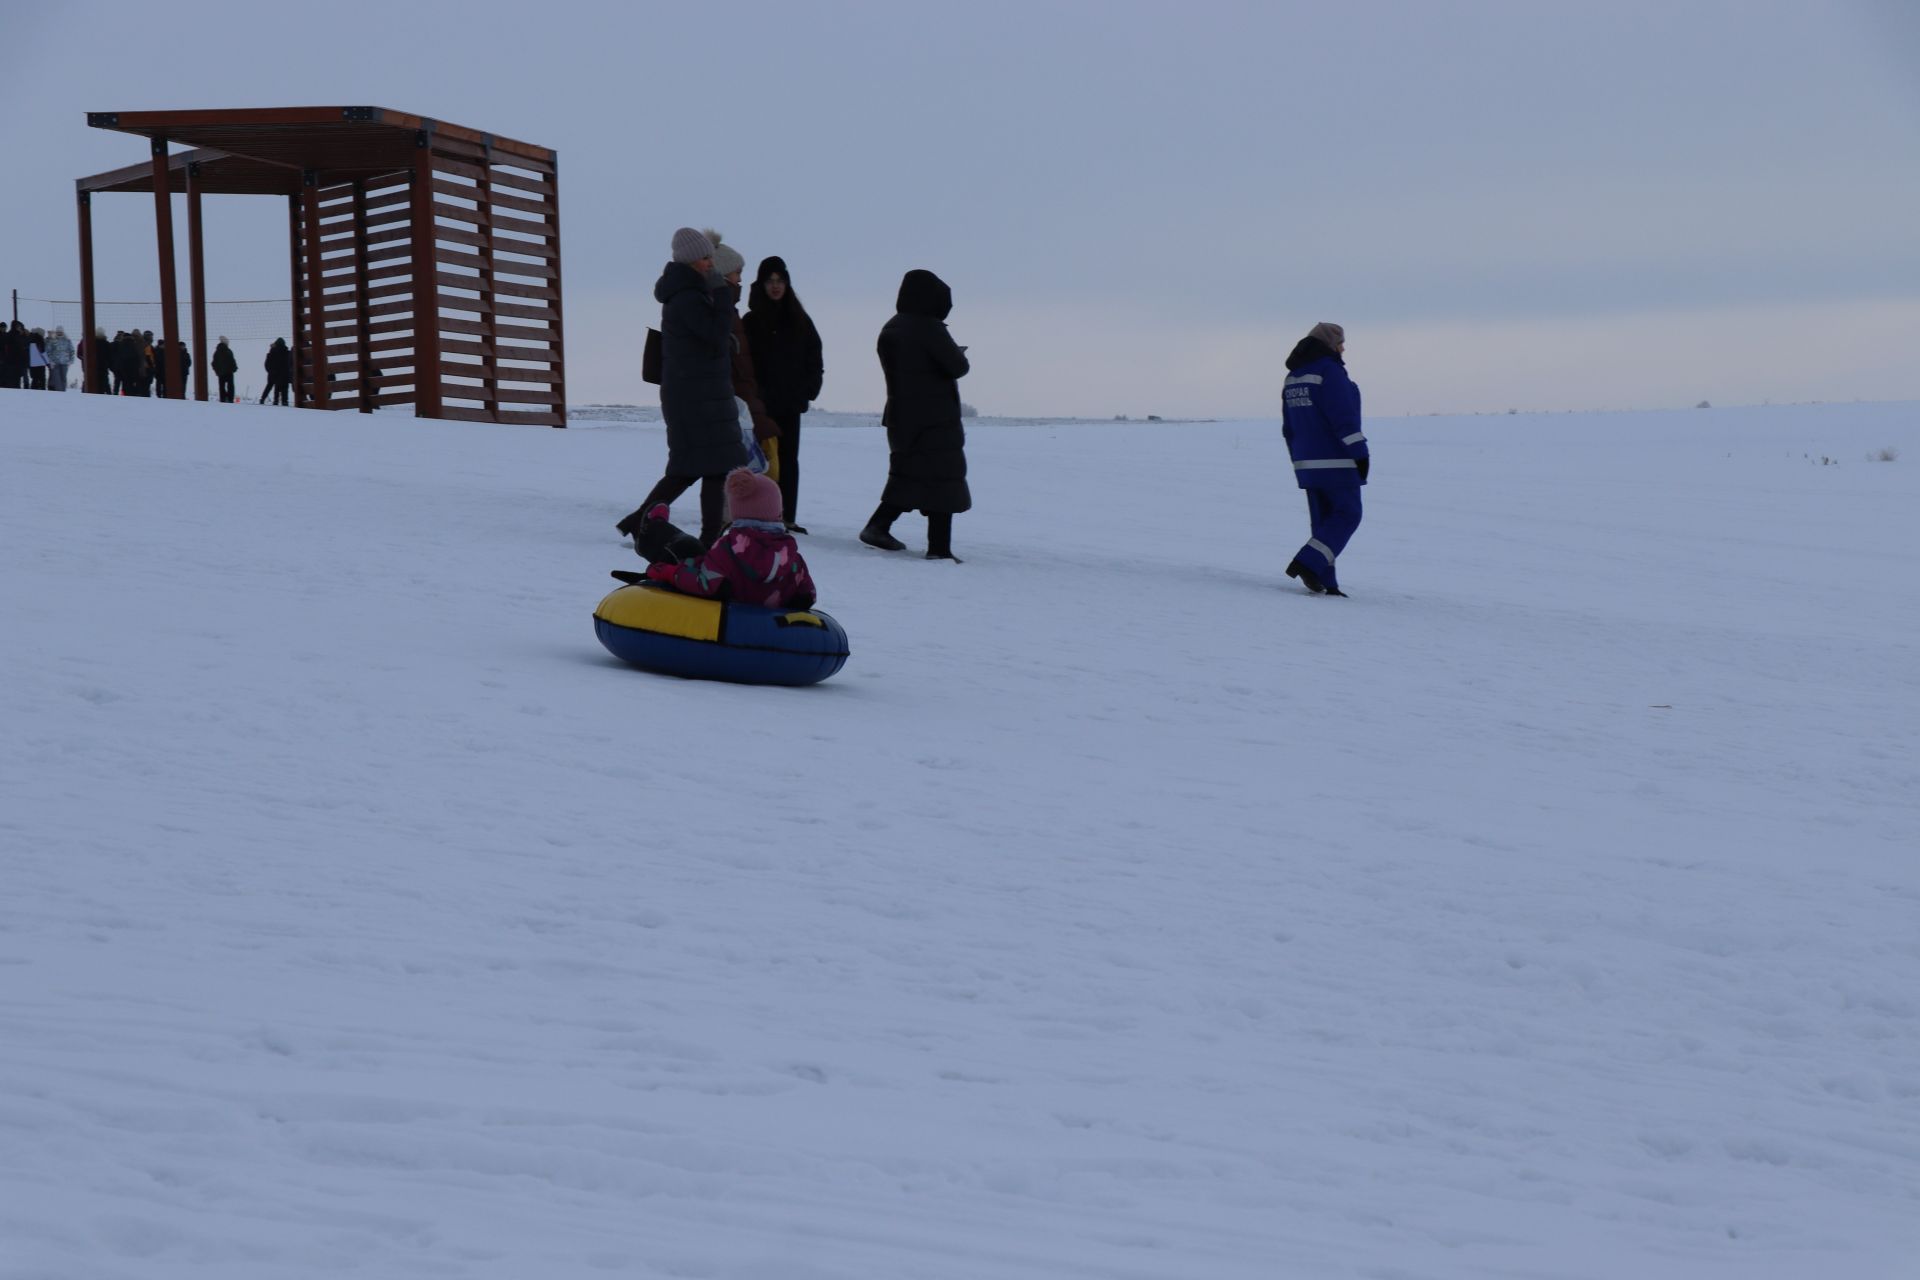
(279, 363)
(13, 351)
(126, 360)
(927, 467)
(160, 363)
(223, 362)
(696, 375)
(787, 359)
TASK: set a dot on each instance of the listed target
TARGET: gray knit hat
(1331, 334)
(726, 258)
(690, 246)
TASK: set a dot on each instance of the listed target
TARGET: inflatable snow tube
(661, 630)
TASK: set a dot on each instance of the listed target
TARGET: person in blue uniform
(1321, 423)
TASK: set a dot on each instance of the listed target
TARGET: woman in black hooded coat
(787, 365)
(926, 443)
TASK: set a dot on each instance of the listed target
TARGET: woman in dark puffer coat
(787, 365)
(926, 443)
(696, 384)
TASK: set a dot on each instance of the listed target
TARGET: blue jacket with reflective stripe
(1321, 421)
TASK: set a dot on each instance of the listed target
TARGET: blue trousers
(1336, 515)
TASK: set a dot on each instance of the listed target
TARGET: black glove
(1362, 464)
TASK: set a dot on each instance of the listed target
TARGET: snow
(1121, 912)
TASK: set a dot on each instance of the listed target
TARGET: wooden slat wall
(485, 276)
(366, 296)
(496, 269)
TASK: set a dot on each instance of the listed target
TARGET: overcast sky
(1140, 206)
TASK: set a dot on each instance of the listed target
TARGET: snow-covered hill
(1550, 908)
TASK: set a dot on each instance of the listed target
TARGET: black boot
(878, 532)
(1308, 578)
(662, 542)
(940, 538)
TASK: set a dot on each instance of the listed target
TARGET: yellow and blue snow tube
(679, 635)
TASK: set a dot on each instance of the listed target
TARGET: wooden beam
(360, 319)
(449, 280)
(169, 290)
(316, 318)
(93, 369)
(490, 352)
(426, 286)
(559, 325)
(197, 273)
(296, 340)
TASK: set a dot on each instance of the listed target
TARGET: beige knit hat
(1331, 334)
(726, 258)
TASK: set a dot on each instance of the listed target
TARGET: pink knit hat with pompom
(752, 497)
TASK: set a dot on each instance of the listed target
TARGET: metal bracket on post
(159, 146)
(423, 137)
(103, 119)
(357, 114)
(193, 170)
(309, 177)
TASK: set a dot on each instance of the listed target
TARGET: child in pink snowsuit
(753, 561)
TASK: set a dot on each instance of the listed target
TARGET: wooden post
(93, 369)
(316, 304)
(361, 319)
(296, 341)
(489, 341)
(169, 292)
(559, 328)
(197, 269)
(427, 382)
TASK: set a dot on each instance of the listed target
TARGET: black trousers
(789, 424)
(226, 388)
(713, 502)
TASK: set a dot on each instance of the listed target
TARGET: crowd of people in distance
(33, 359)
(133, 363)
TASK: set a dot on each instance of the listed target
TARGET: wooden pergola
(424, 258)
